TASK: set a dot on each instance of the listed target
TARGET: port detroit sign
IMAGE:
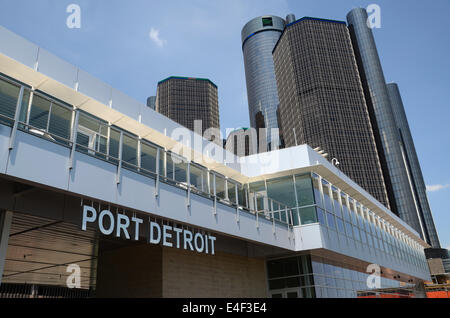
(120, 225)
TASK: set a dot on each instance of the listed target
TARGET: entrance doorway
(42, 255)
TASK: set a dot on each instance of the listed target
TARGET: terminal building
(97, 189)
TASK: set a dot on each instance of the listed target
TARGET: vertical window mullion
(165, 163)
(215, 193)
(49, 115)
(30, 102)
(108, 141)
(12, 138)
(157, 168)
(226, 190)
(138, 153)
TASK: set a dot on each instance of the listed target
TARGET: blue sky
(133, 44)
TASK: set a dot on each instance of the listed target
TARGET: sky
(133, 44)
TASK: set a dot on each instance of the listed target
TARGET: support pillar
(5, 226)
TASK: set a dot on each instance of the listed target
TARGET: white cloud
(154, 36)
(437, 187)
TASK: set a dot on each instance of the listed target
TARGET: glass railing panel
(308, 215)
(198, 178)
(114, 145)
(129, 152)
(60, 122)
(220, 187)
(231, 192)
(40, 109)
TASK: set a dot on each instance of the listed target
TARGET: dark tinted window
(267, 22)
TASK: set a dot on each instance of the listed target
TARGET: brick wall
(188, 274)
(131, 271)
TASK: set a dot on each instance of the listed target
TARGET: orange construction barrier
(438, 294)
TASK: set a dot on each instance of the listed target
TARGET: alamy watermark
(374, 279)
(74, 279)
(209, 146)
(374, 16)
(74, 19)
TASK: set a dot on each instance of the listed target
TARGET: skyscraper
(322, 101)
(413, 165)
(259, 37)
(242, 142)
(151, 102)
(186, 99)
(383, 120)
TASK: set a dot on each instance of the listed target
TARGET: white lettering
(167, 235)
(178, 232)
(136, 221)
(206, 244)
(187, 239)
(198, 248)
(87, 218)
(123, 226)
(100, 222)
(212, 239)
(156, 226)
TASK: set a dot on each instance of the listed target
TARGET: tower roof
(187, 78)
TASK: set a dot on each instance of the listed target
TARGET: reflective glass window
(40, 109)
(317, 195)
(180, 167)
(231, 192)
(60, 121)
(282, 190)
(308, 215)
(304, 188)
(348, 229)
(337, 206)
(340, 225)
(331, 222)
(170, 167)
(9, 94)
(148, 157)
(321, 216)
(198, 177)
(114, 141)
(220, 187)
(129, 151)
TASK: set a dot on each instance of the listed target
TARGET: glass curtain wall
(311, 199)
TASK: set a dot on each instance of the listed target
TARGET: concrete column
(5, 226)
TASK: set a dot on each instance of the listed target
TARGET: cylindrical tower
(259, 37)
(413, 164)
(290, 18)
(382, 117)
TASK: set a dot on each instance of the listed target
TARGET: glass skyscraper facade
(413, 165)
(343, 220)
(151, 102)
(322, 101)
(259, 37)
(383, 120)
